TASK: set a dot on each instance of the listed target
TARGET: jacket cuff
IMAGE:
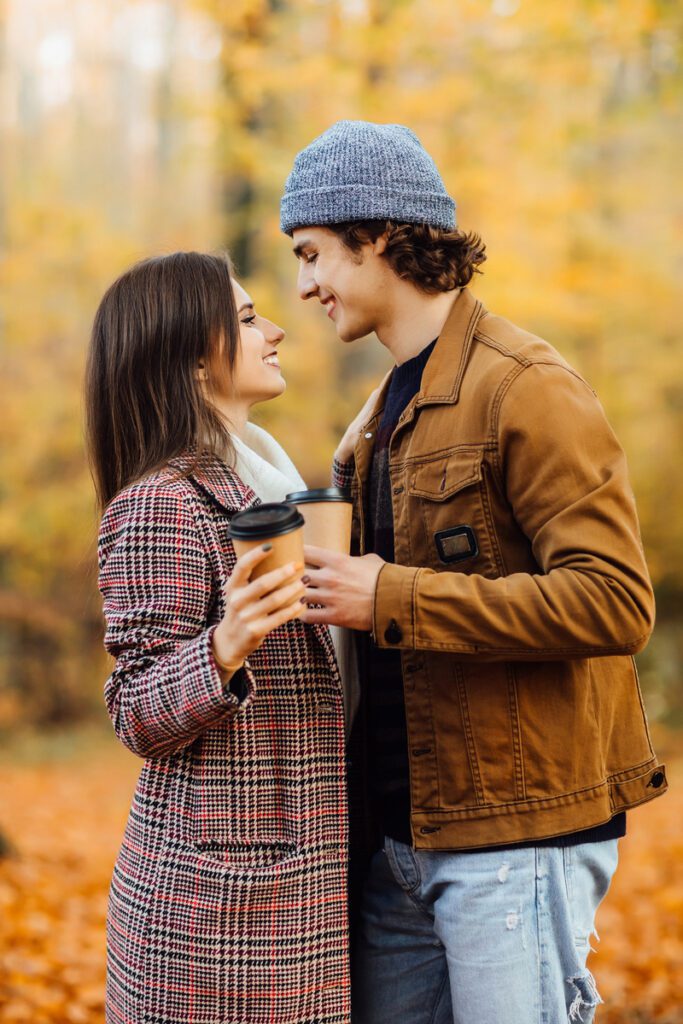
(239, 689)
(342, 472)
(393, 616)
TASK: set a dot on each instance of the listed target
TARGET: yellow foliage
(556, 127)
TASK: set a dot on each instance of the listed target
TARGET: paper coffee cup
(327, 514)
(275, 523)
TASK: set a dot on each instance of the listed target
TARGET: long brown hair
(153, 329)
(434, 259)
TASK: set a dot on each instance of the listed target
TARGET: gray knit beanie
(358, 170)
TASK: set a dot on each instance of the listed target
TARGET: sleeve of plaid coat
(156, 582)
(342, 473)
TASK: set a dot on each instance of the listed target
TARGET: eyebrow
(298, 249)
(245, 305)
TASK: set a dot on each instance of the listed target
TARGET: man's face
(348, 284)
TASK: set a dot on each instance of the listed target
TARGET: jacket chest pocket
(448, 499)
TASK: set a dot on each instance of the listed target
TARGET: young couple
(496, 592)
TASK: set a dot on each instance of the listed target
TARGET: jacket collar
(445, 369)
(443, 373)
(216, 480)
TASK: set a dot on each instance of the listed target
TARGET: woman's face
(256, 375)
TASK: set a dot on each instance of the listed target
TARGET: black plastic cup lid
(269, 520)
(320, 494)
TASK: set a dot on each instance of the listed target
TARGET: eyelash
(312, 257)
(249, 320)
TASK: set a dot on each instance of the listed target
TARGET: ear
(379, 246)
(200, 373)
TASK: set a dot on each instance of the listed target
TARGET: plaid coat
(228, 899)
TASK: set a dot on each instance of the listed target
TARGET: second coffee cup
(327, 512)
(275, 523)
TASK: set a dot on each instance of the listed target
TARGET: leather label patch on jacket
(456, 544)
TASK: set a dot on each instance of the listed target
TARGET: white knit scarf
(264, 465)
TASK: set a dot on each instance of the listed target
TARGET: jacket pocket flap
(440, 478)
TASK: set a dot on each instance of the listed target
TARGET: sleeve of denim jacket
(156, 583)
(565, 477)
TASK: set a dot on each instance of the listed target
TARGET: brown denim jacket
(518, 596)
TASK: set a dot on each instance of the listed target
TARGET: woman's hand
(253, 608)
(348, 442)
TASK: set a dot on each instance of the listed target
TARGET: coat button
(393, 634)
(657, 780)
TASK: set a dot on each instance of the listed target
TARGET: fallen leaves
(65, 819)
(639, 964)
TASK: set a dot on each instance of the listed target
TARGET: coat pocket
(246, 932)
(449, 473)
(448, 496)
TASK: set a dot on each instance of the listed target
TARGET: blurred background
(129, 128)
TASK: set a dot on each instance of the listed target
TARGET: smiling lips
(330, 305)
(272, 360)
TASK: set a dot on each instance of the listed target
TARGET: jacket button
(368, 435)
(657, 780)
(393, 634)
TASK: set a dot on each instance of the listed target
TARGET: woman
(228, 899)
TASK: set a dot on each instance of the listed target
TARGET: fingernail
(303, 600)
(306, 580)
(267, 547)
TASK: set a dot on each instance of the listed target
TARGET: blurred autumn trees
(137, 127)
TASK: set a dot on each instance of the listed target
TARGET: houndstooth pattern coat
(228, 899)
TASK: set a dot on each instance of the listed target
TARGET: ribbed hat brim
(336, 204)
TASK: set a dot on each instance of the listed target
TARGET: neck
(411, 319)
(234, 414)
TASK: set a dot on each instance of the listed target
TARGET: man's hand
(345, 586)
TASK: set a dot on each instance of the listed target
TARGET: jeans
(479, 937)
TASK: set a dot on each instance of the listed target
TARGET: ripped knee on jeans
(586, 997)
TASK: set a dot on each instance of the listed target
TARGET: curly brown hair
(433, 259)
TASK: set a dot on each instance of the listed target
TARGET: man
(501, 590)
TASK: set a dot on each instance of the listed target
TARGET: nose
(306, 282)
(273, 333)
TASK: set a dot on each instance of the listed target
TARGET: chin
(276, 390)
(350, 334)
(267, 395)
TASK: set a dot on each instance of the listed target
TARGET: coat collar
(215, 479)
